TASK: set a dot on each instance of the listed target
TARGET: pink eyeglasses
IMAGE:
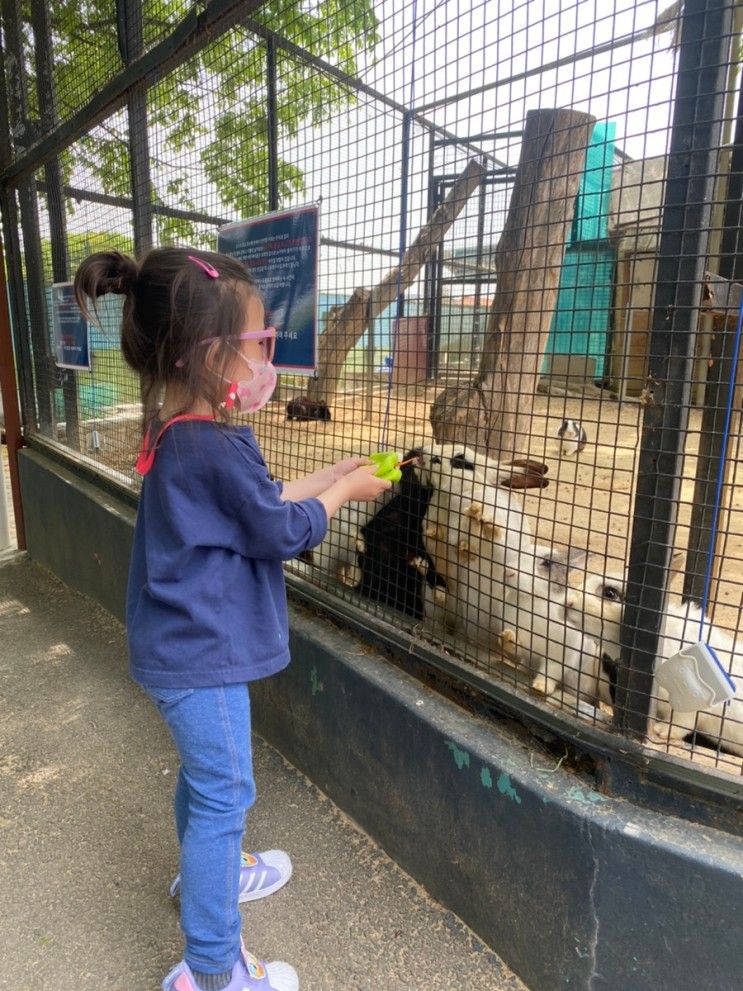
(267, 337)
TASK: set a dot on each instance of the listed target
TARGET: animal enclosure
(529, 285)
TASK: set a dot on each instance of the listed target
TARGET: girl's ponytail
(104, 272)
(112, 272)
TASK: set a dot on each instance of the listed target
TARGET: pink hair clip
(209, 269)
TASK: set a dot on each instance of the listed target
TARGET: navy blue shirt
(206, 600)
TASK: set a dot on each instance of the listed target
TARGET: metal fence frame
(693, 163)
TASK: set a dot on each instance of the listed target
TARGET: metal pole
(4, 521)
(17, 302)
(131, 42)
(8, 380)
(272, 126)
(54, 198)
(692, 162)
(718, 379)
(430, 270)
(23, 132)
(9, 209)
(13, 434)
(130, 36)
(160, 209)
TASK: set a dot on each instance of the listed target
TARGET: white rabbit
(598, 606)
(534, 621)
(337, 554)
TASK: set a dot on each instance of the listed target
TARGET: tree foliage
(79, 246)
(207, 117)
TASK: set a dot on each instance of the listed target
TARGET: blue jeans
(215, 789)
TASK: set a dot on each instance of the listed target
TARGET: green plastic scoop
(387, 465)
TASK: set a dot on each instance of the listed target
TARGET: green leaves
(207, 118)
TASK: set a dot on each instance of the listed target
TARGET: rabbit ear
(576, 557)
(517, 481)
(562, 560)
(525, 474)
(559, 567)
(533, 467)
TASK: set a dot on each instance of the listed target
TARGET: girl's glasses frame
(267, 334)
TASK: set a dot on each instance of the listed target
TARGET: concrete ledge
(571, 888)
(76, 529)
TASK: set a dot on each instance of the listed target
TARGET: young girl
(206, 603)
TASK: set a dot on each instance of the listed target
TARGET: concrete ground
(87, 848)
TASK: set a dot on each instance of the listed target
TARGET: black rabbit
(304, 408)
(391, 547)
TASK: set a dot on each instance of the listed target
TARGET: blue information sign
(71, 332)
(281, 252)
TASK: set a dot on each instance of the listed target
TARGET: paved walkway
(87, 848)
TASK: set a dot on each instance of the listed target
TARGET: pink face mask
(250, 395)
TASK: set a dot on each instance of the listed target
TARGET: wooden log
(345, 324)
(493, 412)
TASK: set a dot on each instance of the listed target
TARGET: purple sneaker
(261, 874)
(248, 974)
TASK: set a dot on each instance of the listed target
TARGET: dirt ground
(588, 503)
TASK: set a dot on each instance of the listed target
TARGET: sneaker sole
(254, 896)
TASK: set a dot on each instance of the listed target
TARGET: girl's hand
(358, 484)
(319, 481)
(362, 485)
(342, 468)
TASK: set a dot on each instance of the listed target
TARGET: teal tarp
(594, 193)
(580, 324)
(581, 320)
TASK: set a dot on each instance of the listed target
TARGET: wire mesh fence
(520, 213)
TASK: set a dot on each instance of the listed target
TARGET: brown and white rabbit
(597, 607)
(471, 522)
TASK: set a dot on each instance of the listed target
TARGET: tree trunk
(493, 412)
(345, 324)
